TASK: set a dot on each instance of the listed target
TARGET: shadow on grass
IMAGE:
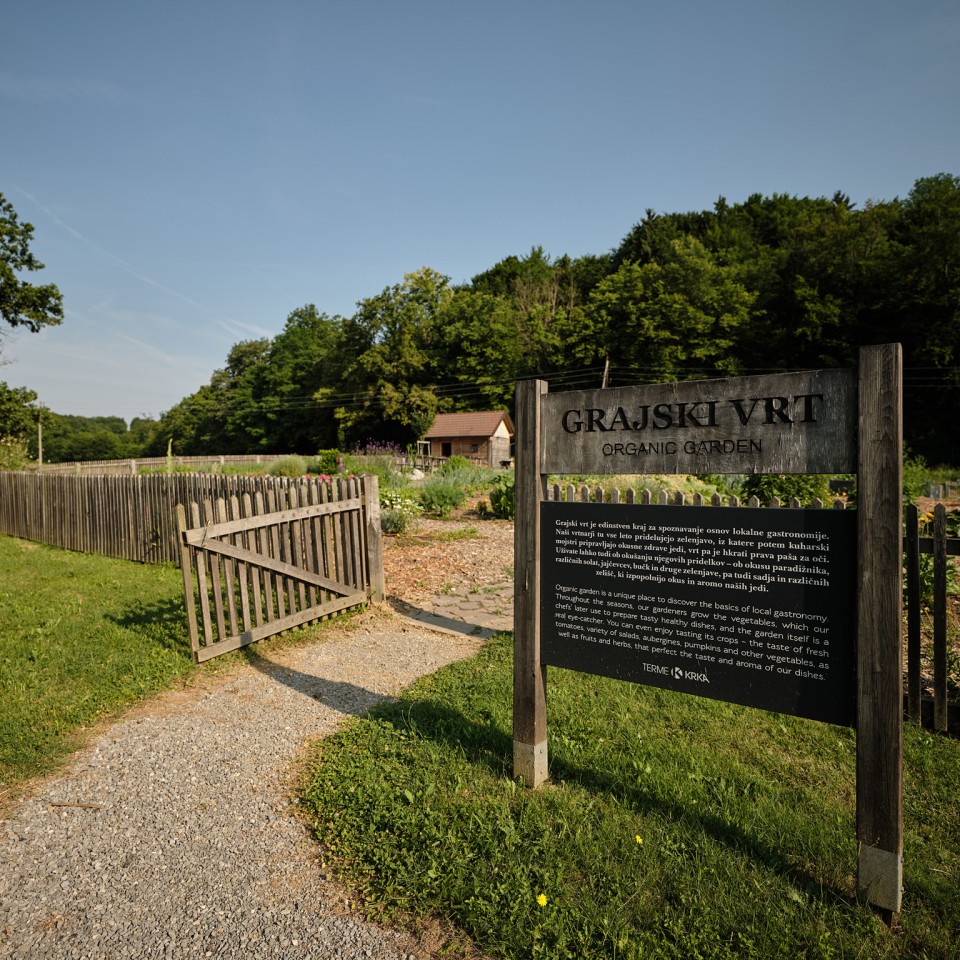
(163, 622)
(488, 746)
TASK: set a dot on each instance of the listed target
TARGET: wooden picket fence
(128, 517)
(939, 712)
(133, 466)
(256, 565)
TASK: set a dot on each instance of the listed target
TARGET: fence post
(529, 674)
(940, 618)
(186, 567)
(911, 521)
(879, 611)
(371, 496)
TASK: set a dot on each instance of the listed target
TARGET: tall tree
(22, 303)
(390, 349)
(303, 358)
(18, 413)
(206, 422)
(676, 320)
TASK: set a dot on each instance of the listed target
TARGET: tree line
(770, 284)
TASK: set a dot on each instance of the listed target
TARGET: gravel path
(173, 834)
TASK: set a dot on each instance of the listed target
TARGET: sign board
(711, 600)
(749, 606)
(787, 423)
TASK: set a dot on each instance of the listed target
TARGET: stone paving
(475, 611)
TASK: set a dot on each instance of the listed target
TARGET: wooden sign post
(826, 421)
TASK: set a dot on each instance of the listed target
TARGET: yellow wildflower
(639, 839)
(542, 899)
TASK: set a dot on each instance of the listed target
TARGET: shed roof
(483, 424)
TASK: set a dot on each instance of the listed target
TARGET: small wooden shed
(486, 436)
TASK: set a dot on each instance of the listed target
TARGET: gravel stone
(173, 834)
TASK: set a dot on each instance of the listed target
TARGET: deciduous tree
(22, 303)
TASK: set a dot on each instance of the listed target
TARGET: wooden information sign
(757, 607)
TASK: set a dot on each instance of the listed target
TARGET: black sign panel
(749, 606)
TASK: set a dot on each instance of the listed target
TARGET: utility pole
(40, 438)
(606, 374)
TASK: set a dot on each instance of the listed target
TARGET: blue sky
(196, 171)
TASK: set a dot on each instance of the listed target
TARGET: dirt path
(454, 574)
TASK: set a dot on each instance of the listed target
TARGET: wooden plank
(216, 576)
(262, 535)
(229, 576)
(292, 620)
(359, 537)
(285, 531)
(371, 489)
(307, 497)
(940, 618)
(256, 582)
(353, 539)
(879, 664)
(317, 523)
(911, 522)
(186, 569)
(297, 548)
(329, 567)
(529, 674)
(203, 591)
(276, 517)
(346, 550)
(243, 569)
(783, 423)
(273, 534)
(336, 539)
(951, 546)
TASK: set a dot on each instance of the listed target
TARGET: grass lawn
(674, 827)
(81, 636)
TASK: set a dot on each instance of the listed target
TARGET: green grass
(448, 536)
(746, 820)
(81, 637)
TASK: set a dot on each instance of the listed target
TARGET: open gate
(257, 565)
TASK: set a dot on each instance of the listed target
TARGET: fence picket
(273, 534)
(940, 617)
(912, 546)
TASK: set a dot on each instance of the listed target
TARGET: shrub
(915, 476)
(327, 461)
(805, 487)
(453, 464)
(503, 496)
(398, 512)
(473, 477)
(13, 454)
(438, 496)
(291, 466)
(383, 466)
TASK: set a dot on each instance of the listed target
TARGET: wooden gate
(254, 566)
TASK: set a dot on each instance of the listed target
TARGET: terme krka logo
(676, 673)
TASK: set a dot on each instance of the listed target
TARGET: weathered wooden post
(879, 662)
(374, 535)
(529, 674)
